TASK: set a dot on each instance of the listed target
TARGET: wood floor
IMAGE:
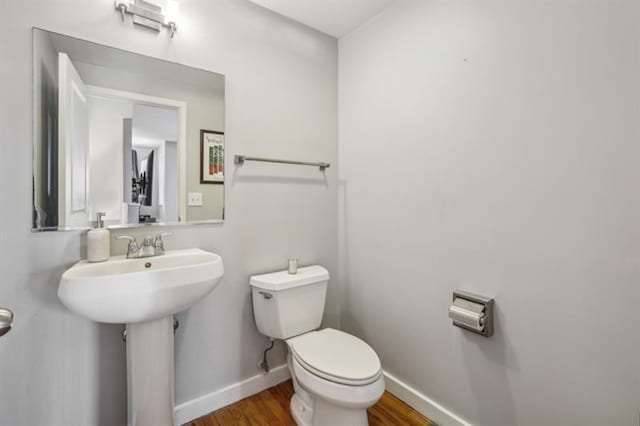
(271, 407)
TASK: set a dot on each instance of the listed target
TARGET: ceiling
(333, 17)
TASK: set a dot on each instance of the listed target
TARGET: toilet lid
(336, 356)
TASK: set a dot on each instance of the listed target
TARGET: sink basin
(129, 291)
(144, 294)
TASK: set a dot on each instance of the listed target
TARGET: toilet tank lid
(282, 280)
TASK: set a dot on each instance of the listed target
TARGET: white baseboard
(421, 403)
(213, 401)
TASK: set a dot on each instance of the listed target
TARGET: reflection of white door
(73, 140)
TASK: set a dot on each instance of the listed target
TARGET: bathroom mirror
(138, 138)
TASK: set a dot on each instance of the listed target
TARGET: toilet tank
(287, 305)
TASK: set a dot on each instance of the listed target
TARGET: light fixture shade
(158, 3)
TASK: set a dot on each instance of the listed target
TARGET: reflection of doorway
(153, 174)
(146, 148)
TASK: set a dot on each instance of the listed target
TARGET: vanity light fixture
(171, 15)
(150, 14)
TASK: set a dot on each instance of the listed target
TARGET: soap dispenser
(98, 241)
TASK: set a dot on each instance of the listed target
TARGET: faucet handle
(158, 244)
(132, 247)
(132, 240)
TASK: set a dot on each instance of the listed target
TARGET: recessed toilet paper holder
(472, 312)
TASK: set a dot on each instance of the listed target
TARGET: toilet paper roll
(468, 313)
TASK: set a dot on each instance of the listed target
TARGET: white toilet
(336, 376)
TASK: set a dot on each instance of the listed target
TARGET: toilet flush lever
(266, 295)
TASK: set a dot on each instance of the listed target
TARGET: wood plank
(252, 412)
(206, 421)
(283, 395)
(268, 408)
(230, 415)
(271, 408)
(390, 410)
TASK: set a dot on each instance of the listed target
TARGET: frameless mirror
(138, 138)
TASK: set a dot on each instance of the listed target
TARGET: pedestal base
(150, 373)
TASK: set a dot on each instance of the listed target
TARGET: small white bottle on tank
(98, 241)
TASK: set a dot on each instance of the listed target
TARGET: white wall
(106, 168)
(156, 123)
(169, 188)
(494, 146)
(58, 369)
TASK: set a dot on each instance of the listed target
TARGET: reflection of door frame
(181, 107)
(73, 138)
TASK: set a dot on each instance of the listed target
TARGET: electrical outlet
(194, 199)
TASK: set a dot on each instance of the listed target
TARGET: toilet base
(301, 404)
(325, 414)
(301, 412)
(310, 410)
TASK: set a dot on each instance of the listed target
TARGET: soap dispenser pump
(98, 241)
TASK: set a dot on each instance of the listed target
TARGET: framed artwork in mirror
(211, 157)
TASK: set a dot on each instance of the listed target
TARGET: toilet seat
(337, 357)
(347, 396)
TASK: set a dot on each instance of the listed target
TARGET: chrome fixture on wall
(240, 159)
(472, 312)
(149, 14)
(6, 321)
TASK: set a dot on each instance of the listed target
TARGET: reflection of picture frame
(211, 157)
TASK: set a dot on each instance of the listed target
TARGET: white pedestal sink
(144, 294)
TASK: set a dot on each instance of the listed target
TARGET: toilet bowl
(336, 376)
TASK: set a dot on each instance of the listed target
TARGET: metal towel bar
(240, 159)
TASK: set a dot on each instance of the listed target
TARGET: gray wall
(59, 369)
(494, 146)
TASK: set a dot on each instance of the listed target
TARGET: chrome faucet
(150, 247)
(146, 249)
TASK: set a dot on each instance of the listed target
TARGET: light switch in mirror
(125, 134)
